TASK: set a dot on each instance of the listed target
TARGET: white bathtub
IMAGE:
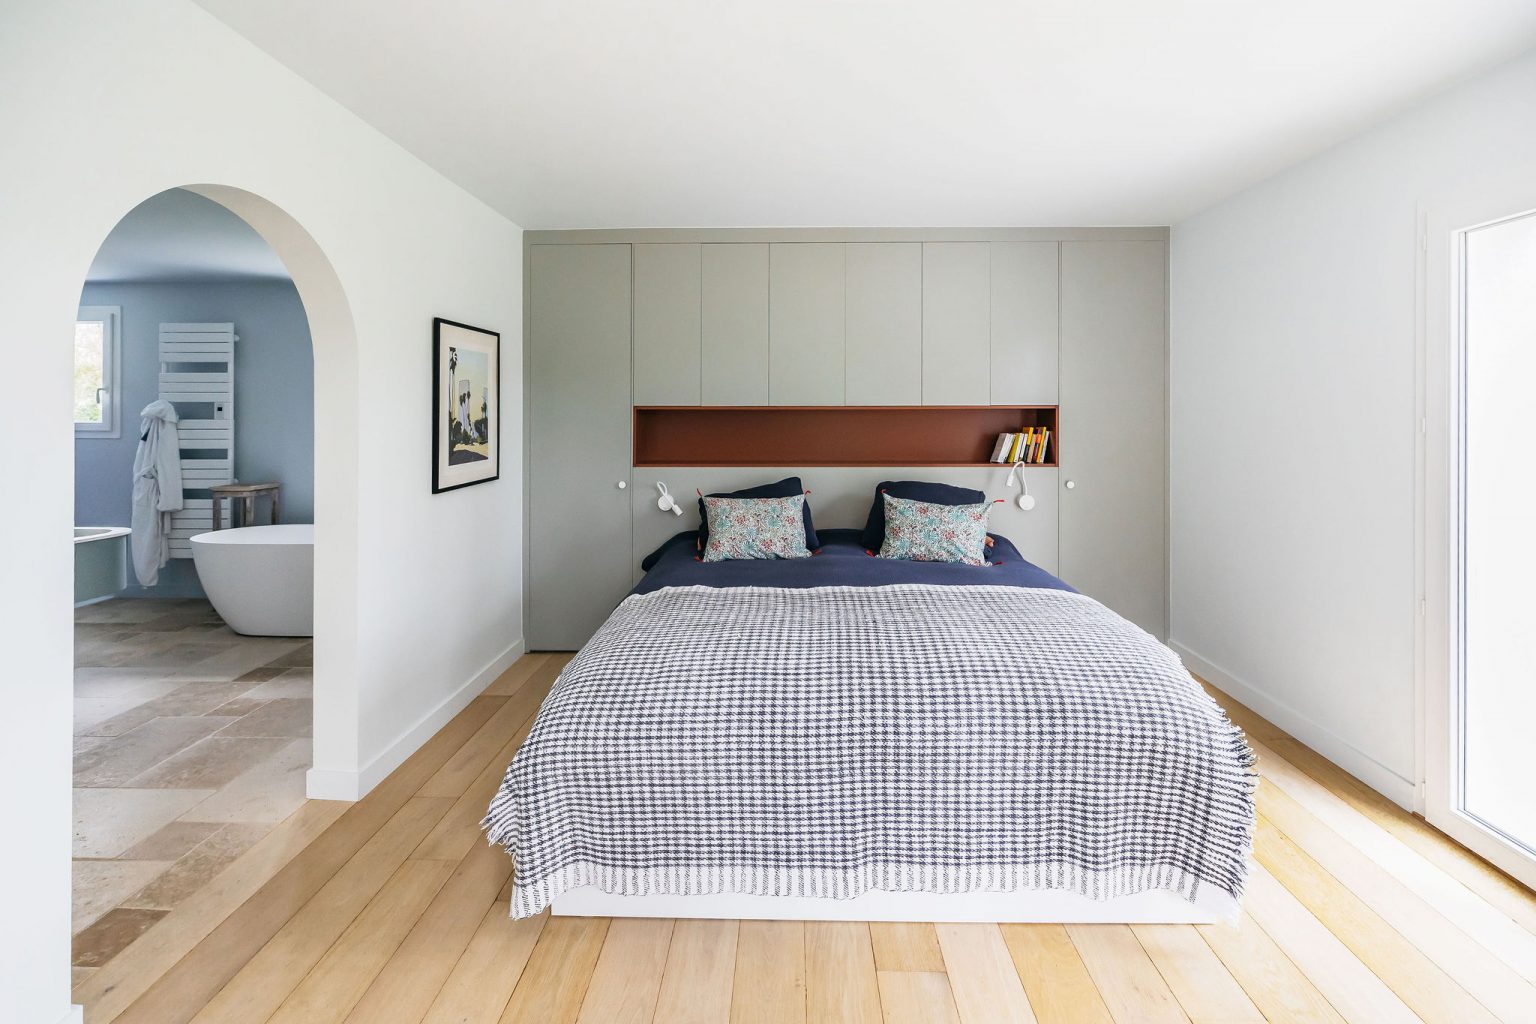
(101, 562)
(260, 579)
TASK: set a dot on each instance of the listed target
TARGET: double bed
(852, 737)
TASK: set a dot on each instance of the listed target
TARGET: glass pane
(90, 369)
(1499, 685)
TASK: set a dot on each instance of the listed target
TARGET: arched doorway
(186, 771)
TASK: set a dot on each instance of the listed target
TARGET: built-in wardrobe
(710, 360)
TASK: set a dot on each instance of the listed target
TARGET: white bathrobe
(156, 490)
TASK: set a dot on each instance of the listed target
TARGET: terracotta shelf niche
(823, 435)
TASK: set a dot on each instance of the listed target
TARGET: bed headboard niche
(840, 497)
(841, 453)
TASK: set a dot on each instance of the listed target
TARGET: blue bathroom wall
(274, 399)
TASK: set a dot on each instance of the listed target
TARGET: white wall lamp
(665, 502)
(1025, 500)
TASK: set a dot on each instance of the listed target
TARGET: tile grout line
(122, 642)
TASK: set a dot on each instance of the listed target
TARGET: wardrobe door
(884, 364)
(667, 301)
(805, 323)
(1024, 323)
(955, 323)
(1113, 475)
(735, 323)
(579, 531)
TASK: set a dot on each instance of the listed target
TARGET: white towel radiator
(197, 368)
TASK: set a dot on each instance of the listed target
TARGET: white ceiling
(617, 113)
(181, 236)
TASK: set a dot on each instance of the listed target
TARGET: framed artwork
(466, 405)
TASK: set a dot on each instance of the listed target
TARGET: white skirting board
(1049, 906)
(1356, 762)
(341, 784)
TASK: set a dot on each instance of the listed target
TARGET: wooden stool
(246, 494)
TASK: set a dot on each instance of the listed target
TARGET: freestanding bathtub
(101, 562)
(260, 579)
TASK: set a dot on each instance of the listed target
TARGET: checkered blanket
(836, 740)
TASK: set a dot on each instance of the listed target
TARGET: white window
(1478, 641)
(98, 344)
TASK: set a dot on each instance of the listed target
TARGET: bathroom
(193, 678)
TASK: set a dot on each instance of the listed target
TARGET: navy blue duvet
(842, 562)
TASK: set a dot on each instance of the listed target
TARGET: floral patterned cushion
(756, 528)
(924, 532)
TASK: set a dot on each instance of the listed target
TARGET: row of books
(1029, 447)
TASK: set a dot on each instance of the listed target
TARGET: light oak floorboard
(177, 995)
(281, 964)
(1417, 981)
(461, 769)
(906, 947)
(1468, 911)
(1489, 980)
(406, 986)
(555, 980)
(1131, 986)
(344, 973)
(1276, 985)
(627, 977)
(482, 981)
(770, 973)
(840, 985)
(510, 681)
(1200, 982)
(700, 974)
(1499, 889)
(1356, 993)
(1059, 988)
(917, 997)
(460, 828)
(982, 977)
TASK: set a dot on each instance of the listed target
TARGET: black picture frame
(455, 443)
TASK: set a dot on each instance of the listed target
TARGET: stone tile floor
(191, 744)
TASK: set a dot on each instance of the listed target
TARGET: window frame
(111, 317)
(1439, 682)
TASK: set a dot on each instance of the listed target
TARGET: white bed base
(1030, 907)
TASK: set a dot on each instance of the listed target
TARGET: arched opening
(204, 716)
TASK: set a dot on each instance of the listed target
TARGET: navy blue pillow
(913, 490)
(786, 488)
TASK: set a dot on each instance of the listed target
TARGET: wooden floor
(394, 910)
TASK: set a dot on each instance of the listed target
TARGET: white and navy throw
(836, 740)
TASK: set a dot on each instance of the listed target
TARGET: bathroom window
(97, 375)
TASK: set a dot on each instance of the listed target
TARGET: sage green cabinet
(878, 318)
(956, 334)
(1024, 323)
(884, 323)
(579, 559)
(805, 323)
(735, 323)
(1114, 457)
(667, 311)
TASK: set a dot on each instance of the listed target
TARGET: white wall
(102, 104)
(1293, 393)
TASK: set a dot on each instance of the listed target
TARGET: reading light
(1025, 500)
(665, 502)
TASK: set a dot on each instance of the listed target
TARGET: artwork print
(466, 405)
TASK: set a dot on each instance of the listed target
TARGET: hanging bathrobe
(156, 490)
